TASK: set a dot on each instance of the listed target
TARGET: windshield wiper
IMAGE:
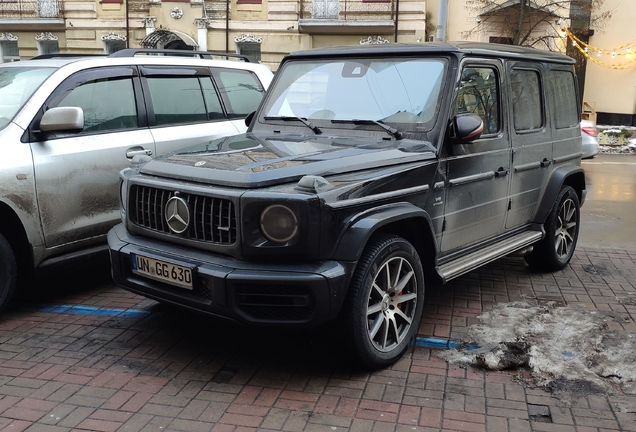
(391, 130)
(304, 121)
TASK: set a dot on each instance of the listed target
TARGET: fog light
(279, 223)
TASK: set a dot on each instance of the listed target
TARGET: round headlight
(279, 223)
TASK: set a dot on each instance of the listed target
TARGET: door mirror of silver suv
(62, 119)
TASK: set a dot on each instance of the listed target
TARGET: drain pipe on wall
(227, 26)
(442, 18)
(397, 14)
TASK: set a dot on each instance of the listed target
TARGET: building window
(47, 43)
(113, 42)
(114, 46)
(48, 47)
(249, 45)
(500, 40)
(9, 51)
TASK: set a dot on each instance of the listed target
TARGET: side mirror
(62, 119)
(249, 118)
(467, 128)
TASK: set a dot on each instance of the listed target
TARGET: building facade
(265, 29)
(609, 75)
(269, 29)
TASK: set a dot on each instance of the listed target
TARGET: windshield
(401, 92)
(17, 84)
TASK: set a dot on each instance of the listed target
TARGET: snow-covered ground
(628, 148)
(569, 350)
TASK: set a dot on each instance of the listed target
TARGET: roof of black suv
(481, 48)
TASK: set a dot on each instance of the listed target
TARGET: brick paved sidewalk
(86, 368)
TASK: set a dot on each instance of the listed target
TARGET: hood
(252, 160)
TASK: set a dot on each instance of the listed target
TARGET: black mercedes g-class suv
(365, 172)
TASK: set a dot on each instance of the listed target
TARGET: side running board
(466, 263)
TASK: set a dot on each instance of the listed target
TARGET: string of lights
(596, 55)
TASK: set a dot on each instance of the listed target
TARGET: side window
(527, 101)
(242, 90)
(212, 101)
(108, 104)
(177, 100)
(565, 109)
(479, 94)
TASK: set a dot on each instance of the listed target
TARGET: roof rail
(131, 52)
(64, 55)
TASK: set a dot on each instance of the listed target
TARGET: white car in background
(589, 139)
(69, 124)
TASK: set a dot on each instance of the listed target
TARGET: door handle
(138, 150)
(501, 172)
(545, 163)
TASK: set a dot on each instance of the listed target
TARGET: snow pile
(567, 348)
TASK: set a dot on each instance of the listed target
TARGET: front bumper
(251, 293)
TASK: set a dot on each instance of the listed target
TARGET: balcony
(216, 9)
(346, 17)
(41, 14)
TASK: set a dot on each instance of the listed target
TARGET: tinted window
(243, 91)
(527, 104)
(212, 101)
(479, 94)
(565, 109)
(177, 100)
(108, 104)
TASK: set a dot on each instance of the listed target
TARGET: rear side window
(479, 94)
(177, 100)
(565, 109)
(242, 90)
(527, 100)
(108, 104)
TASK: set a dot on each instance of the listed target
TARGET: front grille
(211, 219)
(280, 303)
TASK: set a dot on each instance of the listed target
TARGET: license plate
(162, 271)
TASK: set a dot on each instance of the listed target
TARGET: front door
(478, 172)
(77, 174)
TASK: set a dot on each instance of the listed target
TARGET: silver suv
(68, 125)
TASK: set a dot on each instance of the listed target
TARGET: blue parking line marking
(87, 310)
(441, 344)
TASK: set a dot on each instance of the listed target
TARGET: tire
(8, 272)
(561, 234)
(380, 320)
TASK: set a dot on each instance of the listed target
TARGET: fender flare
(570, 174)
(364, 224)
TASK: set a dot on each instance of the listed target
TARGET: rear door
(564, 112)
(184, 107)
(77, 174)
(477, 173)
(531, 140)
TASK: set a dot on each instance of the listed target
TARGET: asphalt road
(609, 214)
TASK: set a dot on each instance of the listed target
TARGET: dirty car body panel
(365, 172)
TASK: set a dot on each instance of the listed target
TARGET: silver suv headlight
(279, 223)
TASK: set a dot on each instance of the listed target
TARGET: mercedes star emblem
(177, 214)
